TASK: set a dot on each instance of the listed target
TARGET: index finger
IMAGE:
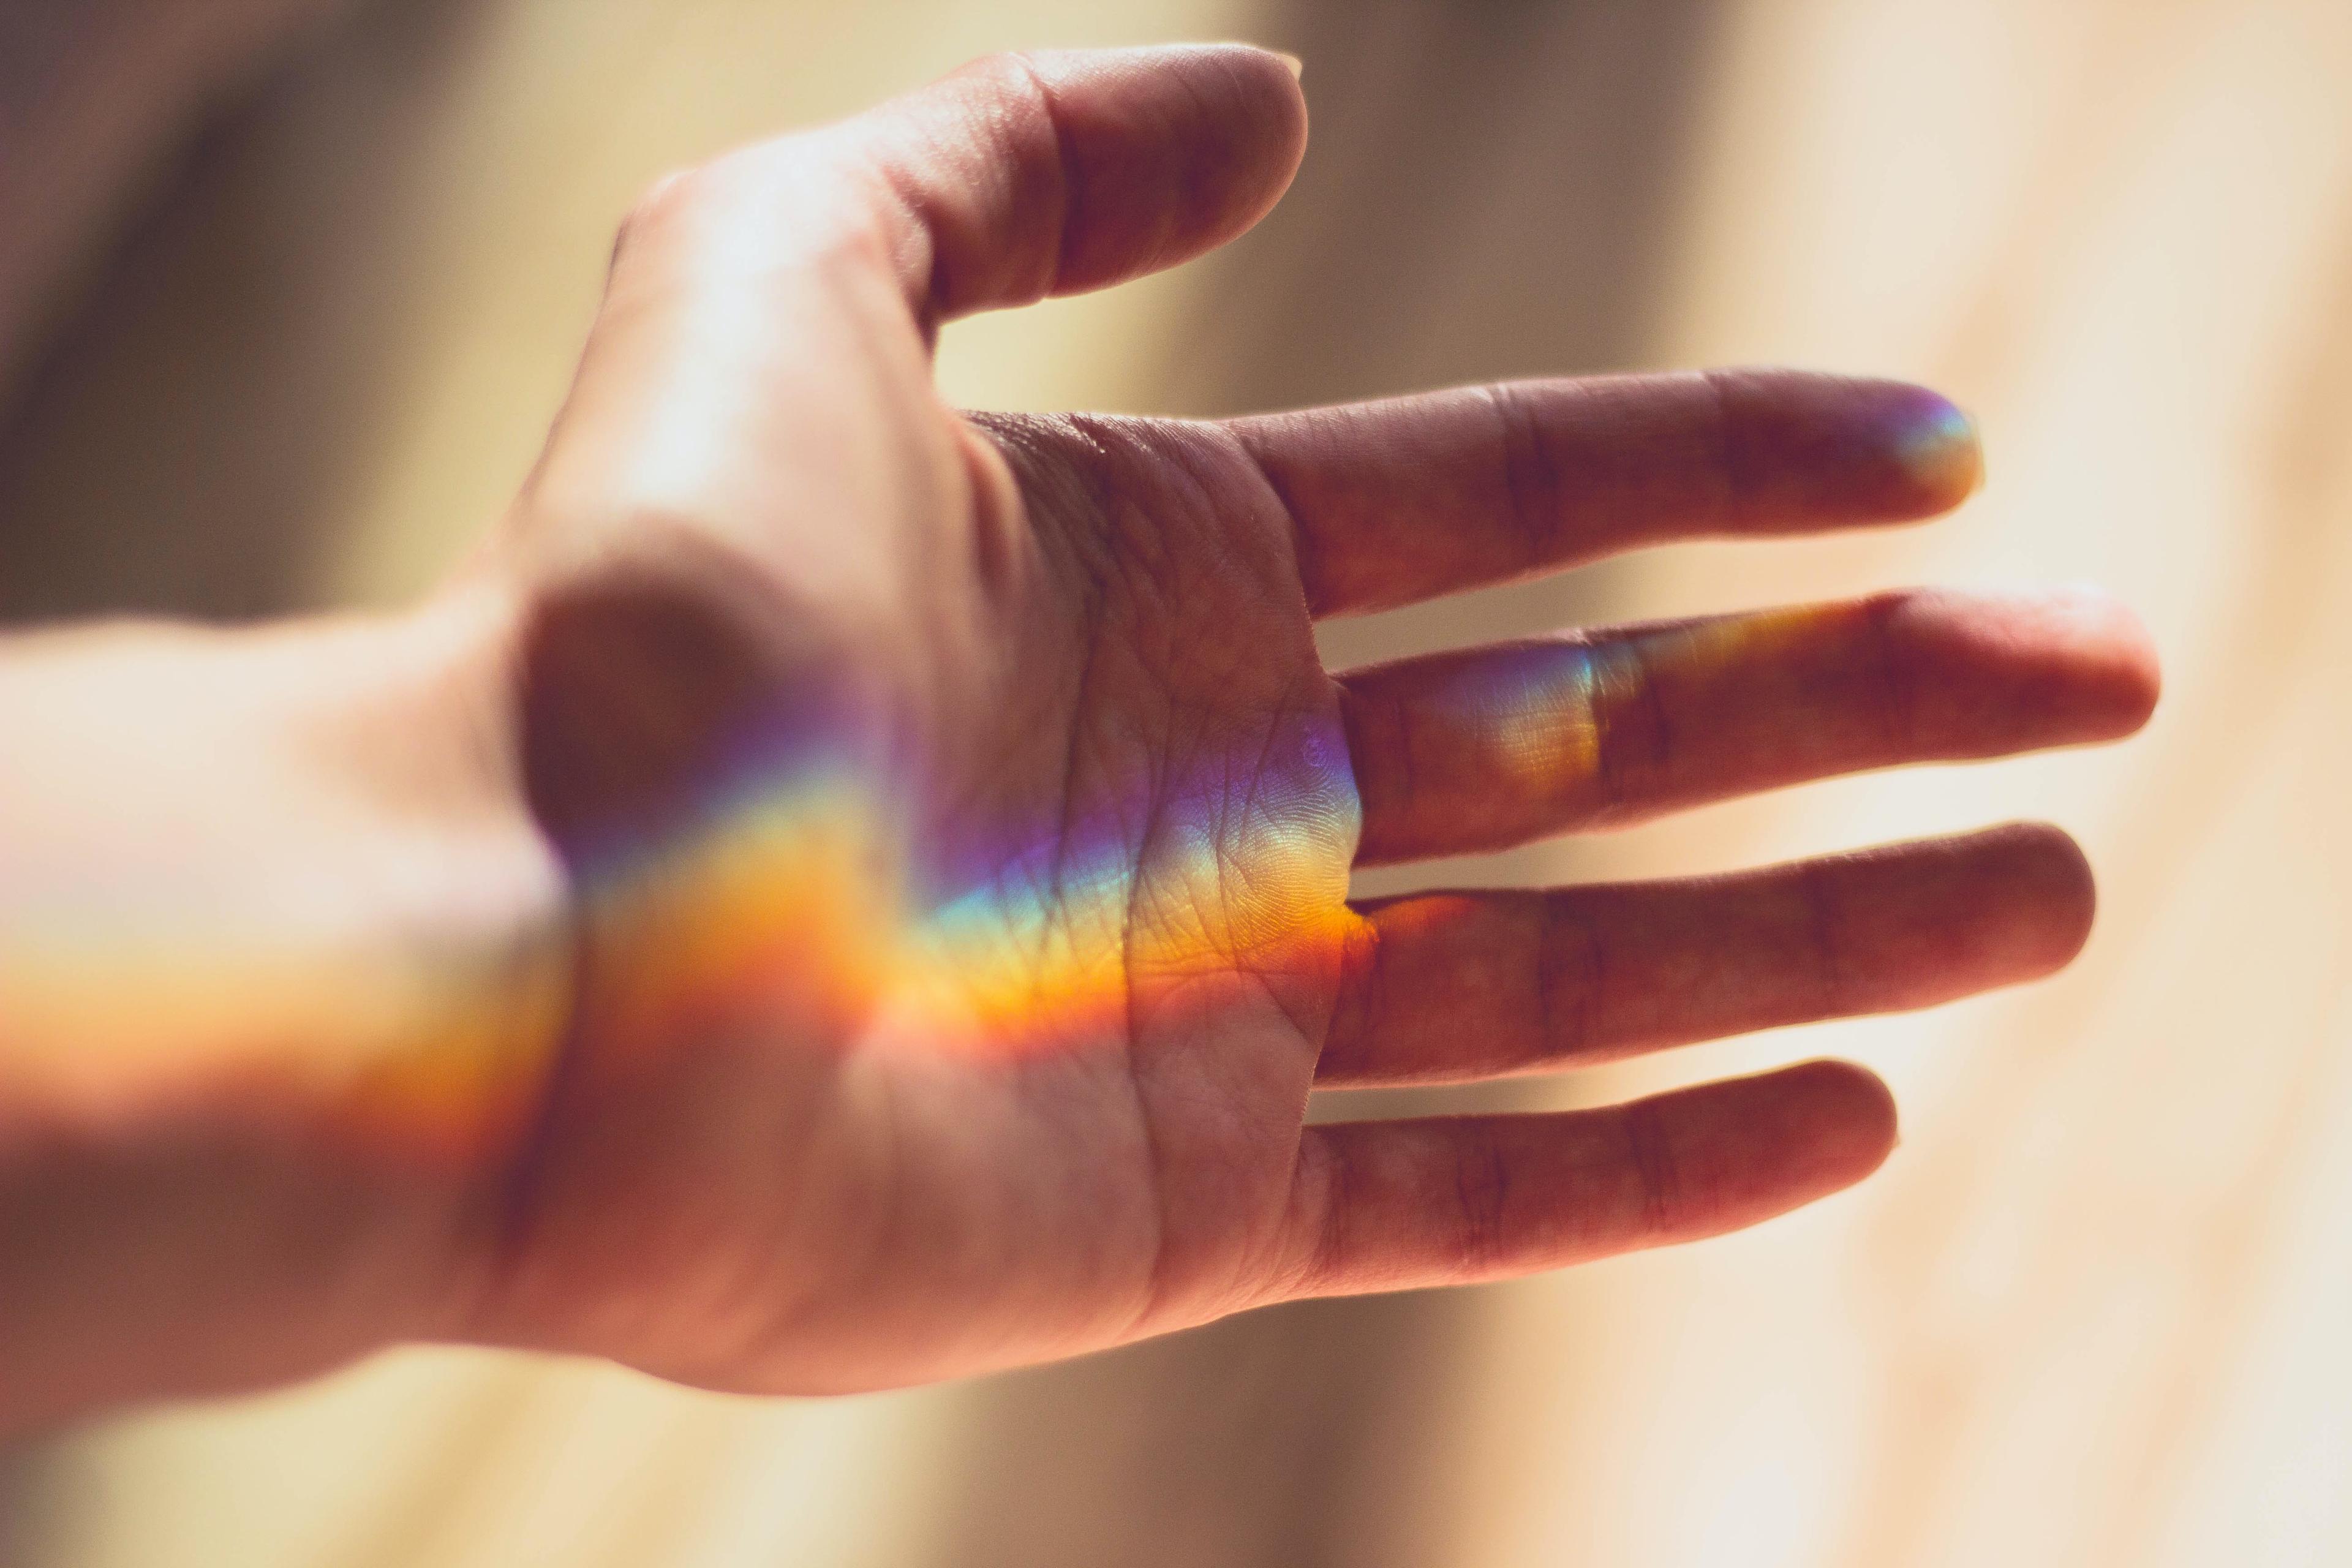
(1410, 498)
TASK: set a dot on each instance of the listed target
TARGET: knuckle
(1720, 393)
(1013, 86)
(1570, 972)
(1319, 1247)
(1482, 1200)
(1532, 482)
(1011, 72)
(1658, 1177)
(794, 199)
(658, 207)
(1892, 660)
(1350, 1038)
(1633, 738)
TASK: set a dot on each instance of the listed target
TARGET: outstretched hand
(843, 892)
(958, 820)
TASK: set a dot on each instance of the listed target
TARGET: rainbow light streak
(1937, 445)
(785, 904)
(1500, 745)
(784, 901)
(1525, 717)
(429, 1057)
(787, 901)
(1238, 868)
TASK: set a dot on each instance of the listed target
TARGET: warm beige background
(2091, 1313)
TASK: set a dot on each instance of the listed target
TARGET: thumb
(1027, 176)
(1019, 176)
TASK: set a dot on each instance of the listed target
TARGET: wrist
(282, 964)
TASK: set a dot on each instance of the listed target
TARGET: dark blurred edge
(179, 442)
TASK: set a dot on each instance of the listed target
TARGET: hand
(959, 821)
(843, 892)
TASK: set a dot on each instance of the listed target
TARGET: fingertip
(1780, 1140)
(1807, 449)
(1848, 1120)
(2004, 671)
(1031, 174)
(1937, 449)
(2112, 678)
(2132, 670)
(1270, 85)
(1175, 150)
(2048, 893)
(1256, 55)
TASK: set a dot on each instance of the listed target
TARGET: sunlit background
(291, 287)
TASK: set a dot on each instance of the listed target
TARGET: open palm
(960, 820)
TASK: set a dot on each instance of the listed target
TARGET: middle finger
(1488, 748)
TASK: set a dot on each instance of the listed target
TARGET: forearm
(279, 967)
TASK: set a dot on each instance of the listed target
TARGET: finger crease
(1898, 687)
(1649, 1147)
(1724, 460)
(1067, 222)
(1530, 478)
(1568, 1033)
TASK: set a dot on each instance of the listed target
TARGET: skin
(841, 892)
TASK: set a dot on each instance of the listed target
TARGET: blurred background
(290, 289)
